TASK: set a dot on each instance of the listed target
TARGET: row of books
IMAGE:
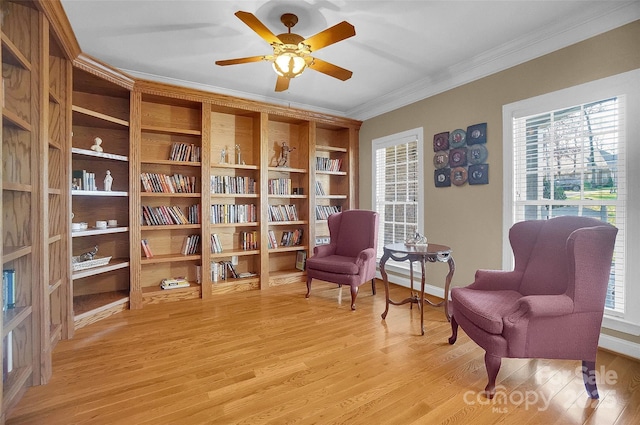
(248, 240)
(280, 186)
(283, 213)
(184, 152)
(233, 184)
(172, 214)
(163, 183)
(289, 238)
(191, 245)
(83, 180)
(233, 213)
(8, 289)
(319, 189)
(328, 164)
(216, 246)
(222, 270)
(324, 211)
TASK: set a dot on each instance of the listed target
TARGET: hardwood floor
(275, 357)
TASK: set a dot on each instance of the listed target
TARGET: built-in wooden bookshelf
(100, 109)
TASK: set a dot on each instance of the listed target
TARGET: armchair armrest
(543, 306)
(496, 280)
(324, 250)
(364, 256)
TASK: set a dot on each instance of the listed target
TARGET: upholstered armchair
(350, 258)
(550, 306)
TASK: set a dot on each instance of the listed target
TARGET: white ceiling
(403, 51)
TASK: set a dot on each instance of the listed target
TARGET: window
(568, 153)
(398, 186)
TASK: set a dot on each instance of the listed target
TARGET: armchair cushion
(486, 308)
(334, 264)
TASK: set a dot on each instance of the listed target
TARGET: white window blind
(575, 151)
(398, 186)
(571, 161)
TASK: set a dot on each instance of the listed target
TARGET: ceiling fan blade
(255, 24)
(330, 36)
(282, 84)
(240, 60)
(330, 69)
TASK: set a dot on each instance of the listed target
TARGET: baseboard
(620, 346)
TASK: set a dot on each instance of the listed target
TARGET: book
(146, 249)
(8, 289)
(172, 283)
(301, 260)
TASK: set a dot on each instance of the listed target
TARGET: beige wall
(469, 218)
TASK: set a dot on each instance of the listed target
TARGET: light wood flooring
(275, 357)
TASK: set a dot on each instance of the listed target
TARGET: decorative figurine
(88, 256)
(283, 161)
(238, 155)
(223, 156)
(96, 147)
(108, 180)
(416, 240)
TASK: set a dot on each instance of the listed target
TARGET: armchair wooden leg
(354, 294)
(309, 279)
(589, 378)
(373, 285)
(492, 363)
(454, 331)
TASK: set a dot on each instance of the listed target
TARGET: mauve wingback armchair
(550, 306)
(350, 258)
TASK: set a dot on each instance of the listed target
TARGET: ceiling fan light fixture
(289, 65)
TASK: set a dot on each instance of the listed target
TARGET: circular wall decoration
(477, 154)
(457, 138)
(441, 142)
(458, 157)
(441, 159)
(477, 134)
(459, 176)
(442, 178)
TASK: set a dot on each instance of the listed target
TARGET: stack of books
(173, 283)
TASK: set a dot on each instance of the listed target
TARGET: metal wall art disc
(477, 133)
(477, 154)
(441, 159)
(441, 142)
(479, 174)
(458, 157)
(442, 177)
(459, 176)
(457, 138)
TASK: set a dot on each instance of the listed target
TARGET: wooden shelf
(100, 193)
(235, 285)
(114, 264)
(324, 148)
(229, 253)
(276, 196)
(94, 231)
(235, 166)
(331, 196)
(234, 195)
(172, 162)
(288, 170)
(170, 227)
(222, 225)
(16, 187)
(88, 118)
(169, 258)
(168, 194)
(12, 55)
(16, 380)
(13, 253)
(288, 223)
(84, 305)
(55, 285)
(101, 155)
(288, 249)
(160, 129)
(332, 173)
(13, 317)
(15, 120)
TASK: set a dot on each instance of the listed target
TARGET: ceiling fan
(291, 52)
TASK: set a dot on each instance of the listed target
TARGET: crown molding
(609, 16)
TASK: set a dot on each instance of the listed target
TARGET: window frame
(621, 85)
(404, 137)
